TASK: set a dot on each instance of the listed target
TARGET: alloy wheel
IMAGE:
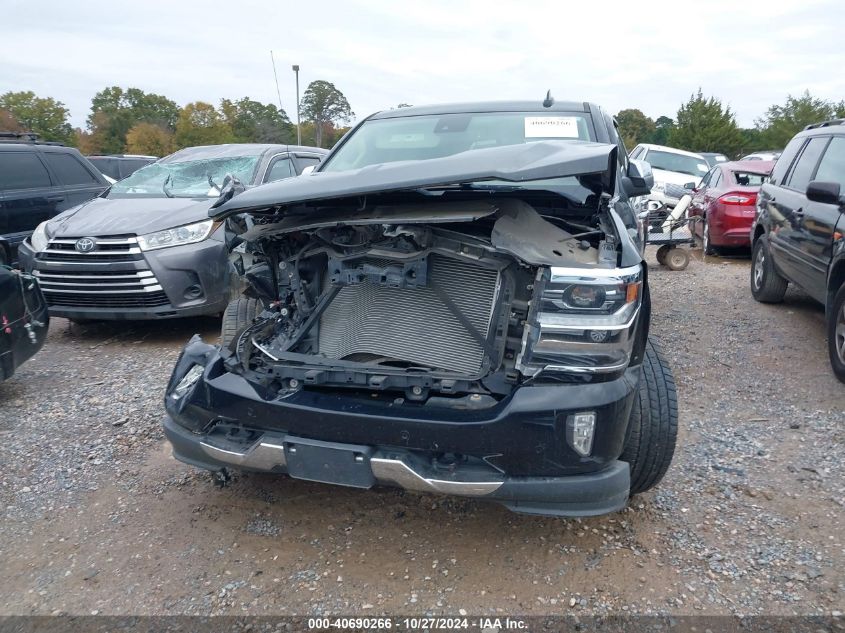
(839, 334)
(758, 269)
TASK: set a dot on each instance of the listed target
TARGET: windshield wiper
(164, 188)
(213, 184)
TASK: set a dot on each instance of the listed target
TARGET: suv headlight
(581, 321)
(39, 238)
(188, 234)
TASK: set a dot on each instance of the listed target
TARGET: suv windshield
(186, 179)
(669, 161)
(436, 136)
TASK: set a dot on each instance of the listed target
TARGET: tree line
(131, 121)
(136, 122)
(704, 124)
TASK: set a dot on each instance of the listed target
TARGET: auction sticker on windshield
(551, 127)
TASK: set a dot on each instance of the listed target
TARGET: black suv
(798, 232)
(37, 182)
(455, 301)
(120, 166)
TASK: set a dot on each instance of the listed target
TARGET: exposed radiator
(414, 325)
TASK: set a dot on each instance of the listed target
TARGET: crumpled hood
(513, 163)
(101, 217)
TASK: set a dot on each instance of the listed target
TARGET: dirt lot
(98, 518)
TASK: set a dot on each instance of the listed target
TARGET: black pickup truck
(797, 235)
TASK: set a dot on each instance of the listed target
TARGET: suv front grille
(107, 249)
(81, 280)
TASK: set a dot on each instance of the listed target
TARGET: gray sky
(380, 53)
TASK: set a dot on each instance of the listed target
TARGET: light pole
(298, 133)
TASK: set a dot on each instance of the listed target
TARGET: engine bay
(425, 299)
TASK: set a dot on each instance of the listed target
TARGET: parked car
(770, 156)
(725, 201)
(37, 182)
(455, 301)
(23, 320)
(119, 166)
(671, 166)
(147, 248)
(798, 235)
(713, 158)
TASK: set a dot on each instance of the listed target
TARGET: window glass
(69, 170)
(716, 180)
(832, 167)
(802, 173)
(307, 161)
(749, 179)
(282, 168)
(436, 136)
(705, 182)
(22, 170)
(107, 166)
(785, 160)
(179, 178)
(128, 166)
(681, 163)
(635, 153)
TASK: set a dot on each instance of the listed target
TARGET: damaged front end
(450, 295)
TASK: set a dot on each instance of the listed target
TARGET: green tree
(200, 123)
(634, 126)
(782, 122)
(114, 111)
(324, 105)
(704, 125)
(254, 122)
(43, 115)
(150, 139)
(662, 128)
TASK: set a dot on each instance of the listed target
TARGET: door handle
(55, 198)
(799, 212)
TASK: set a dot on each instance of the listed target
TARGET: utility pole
(298, 133)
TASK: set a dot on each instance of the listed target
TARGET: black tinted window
(22, 170)
(107, 166)
(307, 161)
(832, 167)
(785, 160)
(69, 169)
(282, 168)
(129, 166)
(802, 173)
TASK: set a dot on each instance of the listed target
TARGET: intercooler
(415, 325)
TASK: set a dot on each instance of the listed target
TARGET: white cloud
(382, 52)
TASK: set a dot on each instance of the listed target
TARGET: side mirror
(639, 180)
(307, 171)
(824, 192)
(689, 185)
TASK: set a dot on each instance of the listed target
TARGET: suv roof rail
(25, 137)
(814, 126)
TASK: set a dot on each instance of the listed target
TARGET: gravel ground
(98, 518)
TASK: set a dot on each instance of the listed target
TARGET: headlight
(187, 234)
(581, 321)
(188, 380)
(39, 238)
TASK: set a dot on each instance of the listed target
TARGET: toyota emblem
(85, 244)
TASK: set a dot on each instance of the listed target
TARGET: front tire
(836, 334)
(653, 425)
(767, 286)
(238, 314)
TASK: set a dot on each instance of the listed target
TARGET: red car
(726, 201)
